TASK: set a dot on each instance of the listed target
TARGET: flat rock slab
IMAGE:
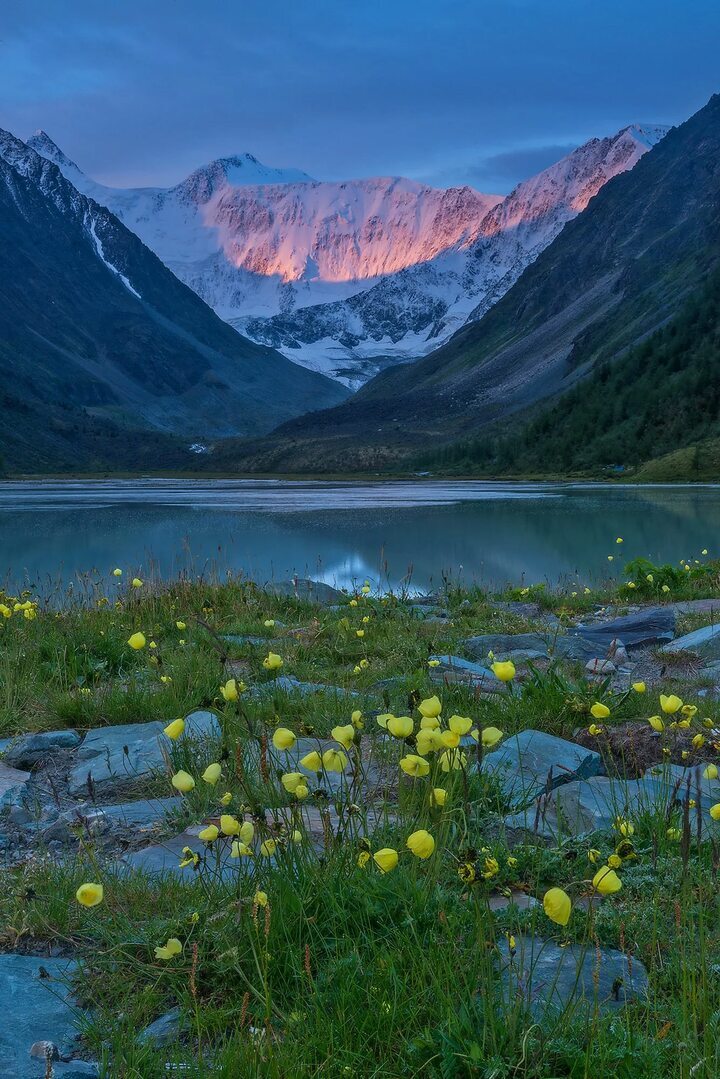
(240, 639)
(13, 785)
(35, 1008)
(303, 588)
(462, 670)
(592, 805)
(26, 751)
(643, 629)
(125, 755)
(549, 979)
(531, 762)
(287, 683)
(145, 814)
(705, 642)
(503, 645)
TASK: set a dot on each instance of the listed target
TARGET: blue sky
(453, 91)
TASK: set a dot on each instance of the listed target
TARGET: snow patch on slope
(101, 255)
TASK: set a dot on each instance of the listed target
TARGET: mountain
(414, 311)
(614, 275)
(101, 345)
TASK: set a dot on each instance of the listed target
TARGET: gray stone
(238, 638)
(13, 785)
(27, 751)
(705, 642)
(462, 670)
(592, 805)
(35, 1008)
(502, 645)
(549, 979)
(125, 755)
(165, 857)
(287, 683)
(164, 1030)
(45, 1051)
(600, 666)
(531, 762)
(76, 1069)
(302, 588)
(519, 900)
(640, 630)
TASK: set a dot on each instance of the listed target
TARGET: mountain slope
(412, 312)
(92, 321)
(614, 274)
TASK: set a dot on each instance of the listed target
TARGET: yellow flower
(89, 895)
(429, 723)
(238, 849)
(400, 726)
(260, 899)
(624, 827)
(619, 539)
(345, 735)
(357, 719)
(670, 704)
(698, 741)
(283, 738)
(174, 729)
(413, 765)
(656, 723)
(226, 799)
(459, 724)
(466, 872)
(365, 589)
(268, 848)
(614, 861)
(593, 855)
(183, 781)
(292, 780)
(136, 582)
(229, 691)
(386, 859)
(606, 881)
(665, 588)
(229, 825)
(272, 662)
(189, 858)
(212, 773)
(117, 572)
(247, 831)
(610, 557)
(438, 796)
(557, 905)
(649, 577)
(137, 641)
(599, 711)
(359, 632)
(428, 741)
(269, 623)
(363, 858)
(504, 671)
(491, 868)
(594, 729)
(433, 663)
(450, 739)
(172, 948)
(491, 736)
(312, 761)
(711, 772)
(334, 760)
(209, 834)
(430, 707)
(715, 811)
(639, 687)
(421, 843)
(671, 833)
(452, 759)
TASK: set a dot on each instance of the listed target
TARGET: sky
(443, 91)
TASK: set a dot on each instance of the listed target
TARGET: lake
(409, 532)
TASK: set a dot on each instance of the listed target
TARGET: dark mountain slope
(97, 334)
(616, 273)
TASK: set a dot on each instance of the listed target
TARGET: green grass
(348, 971)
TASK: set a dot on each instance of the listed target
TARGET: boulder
(303, 588)
(164, 1030)
(549, 979)
(705, 642)
(462, 670)
(502, 645)
(25, 752)
(13, 785)
(529, 763)
(645, 628)
(36, 1008)
(120, 757)
(287, 683)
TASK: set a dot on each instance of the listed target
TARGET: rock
(531, 762)
(125, 755)
(13, 785)
(164, 1030)
(705, 642)
(37, 1008)
(641, 630)
(428, 613)
(165, 857)
(287, 683)
(502, 645)
(144, 815)
(462, 670)
(518, 607)
(302, 588)
(25, 752)
(235, 638)
(592, 805)
(76, 1069)
(600, 666)
(519, 900)
(45, 1051)
(549, 979)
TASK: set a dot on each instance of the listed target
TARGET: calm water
(490, 533)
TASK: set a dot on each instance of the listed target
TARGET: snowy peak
(242, 170)
(42, 144)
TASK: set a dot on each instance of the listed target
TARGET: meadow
(352, 899)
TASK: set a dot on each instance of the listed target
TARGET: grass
(348, 971)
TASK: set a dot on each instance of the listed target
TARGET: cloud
(499, 173)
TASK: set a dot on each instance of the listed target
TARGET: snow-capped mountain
(347, 277)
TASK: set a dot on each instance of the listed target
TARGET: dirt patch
(630, 749)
